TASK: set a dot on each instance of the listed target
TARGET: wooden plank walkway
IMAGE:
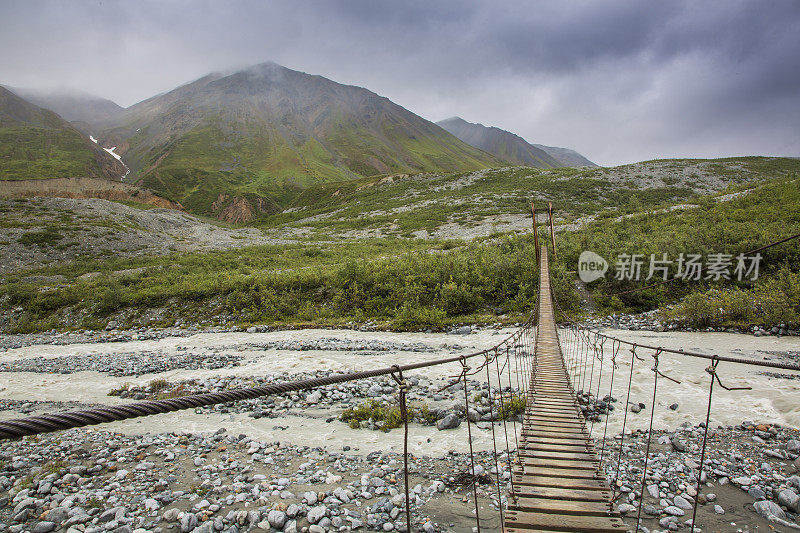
(558, 483)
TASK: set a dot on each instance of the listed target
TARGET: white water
(771, 400)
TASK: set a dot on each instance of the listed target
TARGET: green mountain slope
(257, 137)
(36, 143)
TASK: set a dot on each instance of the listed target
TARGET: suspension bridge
(557, 483)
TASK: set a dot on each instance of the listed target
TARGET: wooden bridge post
(552, 231)
(536, 236)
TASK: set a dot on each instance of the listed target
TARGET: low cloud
(617, 80)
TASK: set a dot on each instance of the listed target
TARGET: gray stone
(188, 522)
(44, 527)
(314, 397)
(111, 514)
(293, 510)
(681, 502)
(766, 509)
(650, 509)
(171, 515)
(674, 511)
(25, 503)
(151, 504)
(790, 500)
(451, 421)
(624, 508)
(277, 519)
(718, 509)
(677, 444)
(793, 446)
(57, 515)
(315, 514)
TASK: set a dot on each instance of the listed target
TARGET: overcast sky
(619, 81)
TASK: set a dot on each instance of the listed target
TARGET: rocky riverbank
(85, 481)
(653, 321)
(292, 462)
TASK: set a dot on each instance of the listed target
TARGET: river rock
(767, 509)
(277, 519)
(790, 500)
(450, 421)
(681, 502)
(315, 514)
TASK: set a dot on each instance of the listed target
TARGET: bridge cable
(402, 389)
(464, 369)
(624, 425)
(614, 353)
(494, 441)
(649, 438)
(712, 370)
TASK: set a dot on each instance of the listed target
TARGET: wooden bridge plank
(558, 486)
(569, 507)
(560, 522)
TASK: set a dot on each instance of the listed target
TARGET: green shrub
(48, 236)
(384, 417)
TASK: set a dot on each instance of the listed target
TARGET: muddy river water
(771, 399)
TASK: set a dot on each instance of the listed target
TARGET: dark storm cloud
(617, 80)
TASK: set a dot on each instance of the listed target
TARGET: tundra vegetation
(399, 281)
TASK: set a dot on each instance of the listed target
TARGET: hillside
(566, 156)
(36, 143)
(84, 111)
(512, 148)
(500, 143)
(240, 144)
(485, 202)
(412, 251)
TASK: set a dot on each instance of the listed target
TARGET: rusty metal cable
(656, 373)
(402, 390)
(494, 438)
(730, 359)
(473, 476)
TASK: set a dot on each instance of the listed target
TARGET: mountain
(566, 156)
(512, 148)
(500, 143)
(249, 141)
(82, 109)
(36, 143)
